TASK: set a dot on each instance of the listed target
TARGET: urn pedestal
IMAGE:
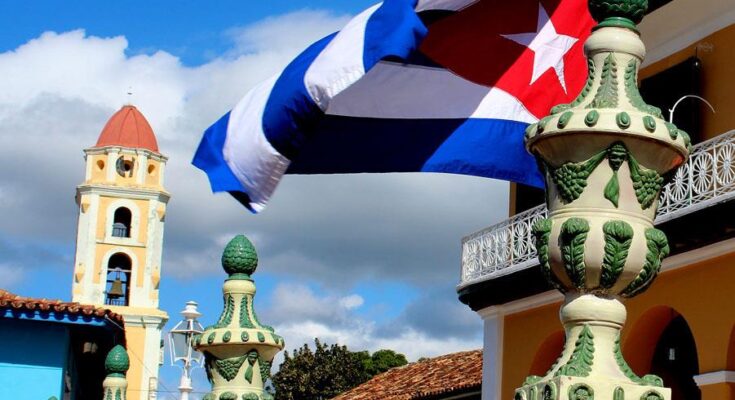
(238, 349)
(605, 158)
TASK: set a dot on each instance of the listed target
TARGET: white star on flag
(548, 46)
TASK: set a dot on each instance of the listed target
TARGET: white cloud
(300, 315)
(268, 35)
(351, 302)
(59, 90)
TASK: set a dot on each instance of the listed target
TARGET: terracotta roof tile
(128, 128)
(13, 301)
(441, 375)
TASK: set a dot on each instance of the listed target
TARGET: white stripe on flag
(449, 5)
(404, 91)
(251, 158)
(499, 104)
(340, 64)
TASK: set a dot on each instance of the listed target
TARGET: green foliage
(226, 317)
(571, 178)
(383, 360)
(573, 235)
(658, 249)
(607, 93)
(228, 367)
(228, 396)
(542, 232)
(647, 183)
(634, 95)
(618, 238)
(239, 258)
(328, 370)
(117, 361)
(631, 10)
(582, 95)
(580, 364)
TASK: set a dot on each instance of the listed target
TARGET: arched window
(121, 222)
(117, 291)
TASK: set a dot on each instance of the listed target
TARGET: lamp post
(181, 338)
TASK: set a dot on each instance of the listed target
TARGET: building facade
(683, 327)
(54, 349)
(122, 209)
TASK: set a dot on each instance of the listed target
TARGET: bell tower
(122, 209)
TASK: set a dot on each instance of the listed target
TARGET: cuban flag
(406, 86)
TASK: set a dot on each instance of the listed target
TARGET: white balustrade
(706, 179)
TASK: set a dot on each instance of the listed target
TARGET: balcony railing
(707, 178)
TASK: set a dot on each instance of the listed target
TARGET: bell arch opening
(121, 222)
(117, 288)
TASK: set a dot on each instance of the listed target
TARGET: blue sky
(192, 30)
(370, 261)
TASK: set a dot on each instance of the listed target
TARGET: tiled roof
(14, 302)
(128, 128)
(444, 375)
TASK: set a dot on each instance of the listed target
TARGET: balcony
(707, 179)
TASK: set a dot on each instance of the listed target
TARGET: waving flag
(430, 85)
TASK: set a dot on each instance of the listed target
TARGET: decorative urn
(238, 349)
(605, 158)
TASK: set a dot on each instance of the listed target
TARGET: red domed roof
(128, 128)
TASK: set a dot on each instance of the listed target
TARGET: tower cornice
(126, 192)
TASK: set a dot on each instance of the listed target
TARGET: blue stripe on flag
(459, 146)
(394, 30)
(209, 158)
(290, 110)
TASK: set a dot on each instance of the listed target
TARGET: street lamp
(180, 341)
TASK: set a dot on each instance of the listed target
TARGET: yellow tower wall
(142, 192)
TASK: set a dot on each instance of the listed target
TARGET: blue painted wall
(32, 359)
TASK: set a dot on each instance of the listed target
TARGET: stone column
(605, 157)
(238, 349)
(116, 366)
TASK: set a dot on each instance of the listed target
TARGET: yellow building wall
(99, 168)
(702, 293)
(135, 341)
(718, 83)
(153, 174)
(103, 224)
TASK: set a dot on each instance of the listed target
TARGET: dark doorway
(675, 360)
(659, 91)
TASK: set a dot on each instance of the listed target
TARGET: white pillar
(185, 387)
(492, 354)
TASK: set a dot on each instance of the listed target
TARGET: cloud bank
(332, 232)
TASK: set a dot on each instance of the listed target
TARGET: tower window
(125, 167)
(121, 222)
(117, 291)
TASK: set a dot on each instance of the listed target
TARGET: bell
(116, 290)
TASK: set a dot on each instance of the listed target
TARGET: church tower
(122, 208)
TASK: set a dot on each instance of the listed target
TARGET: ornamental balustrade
(707, 178)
